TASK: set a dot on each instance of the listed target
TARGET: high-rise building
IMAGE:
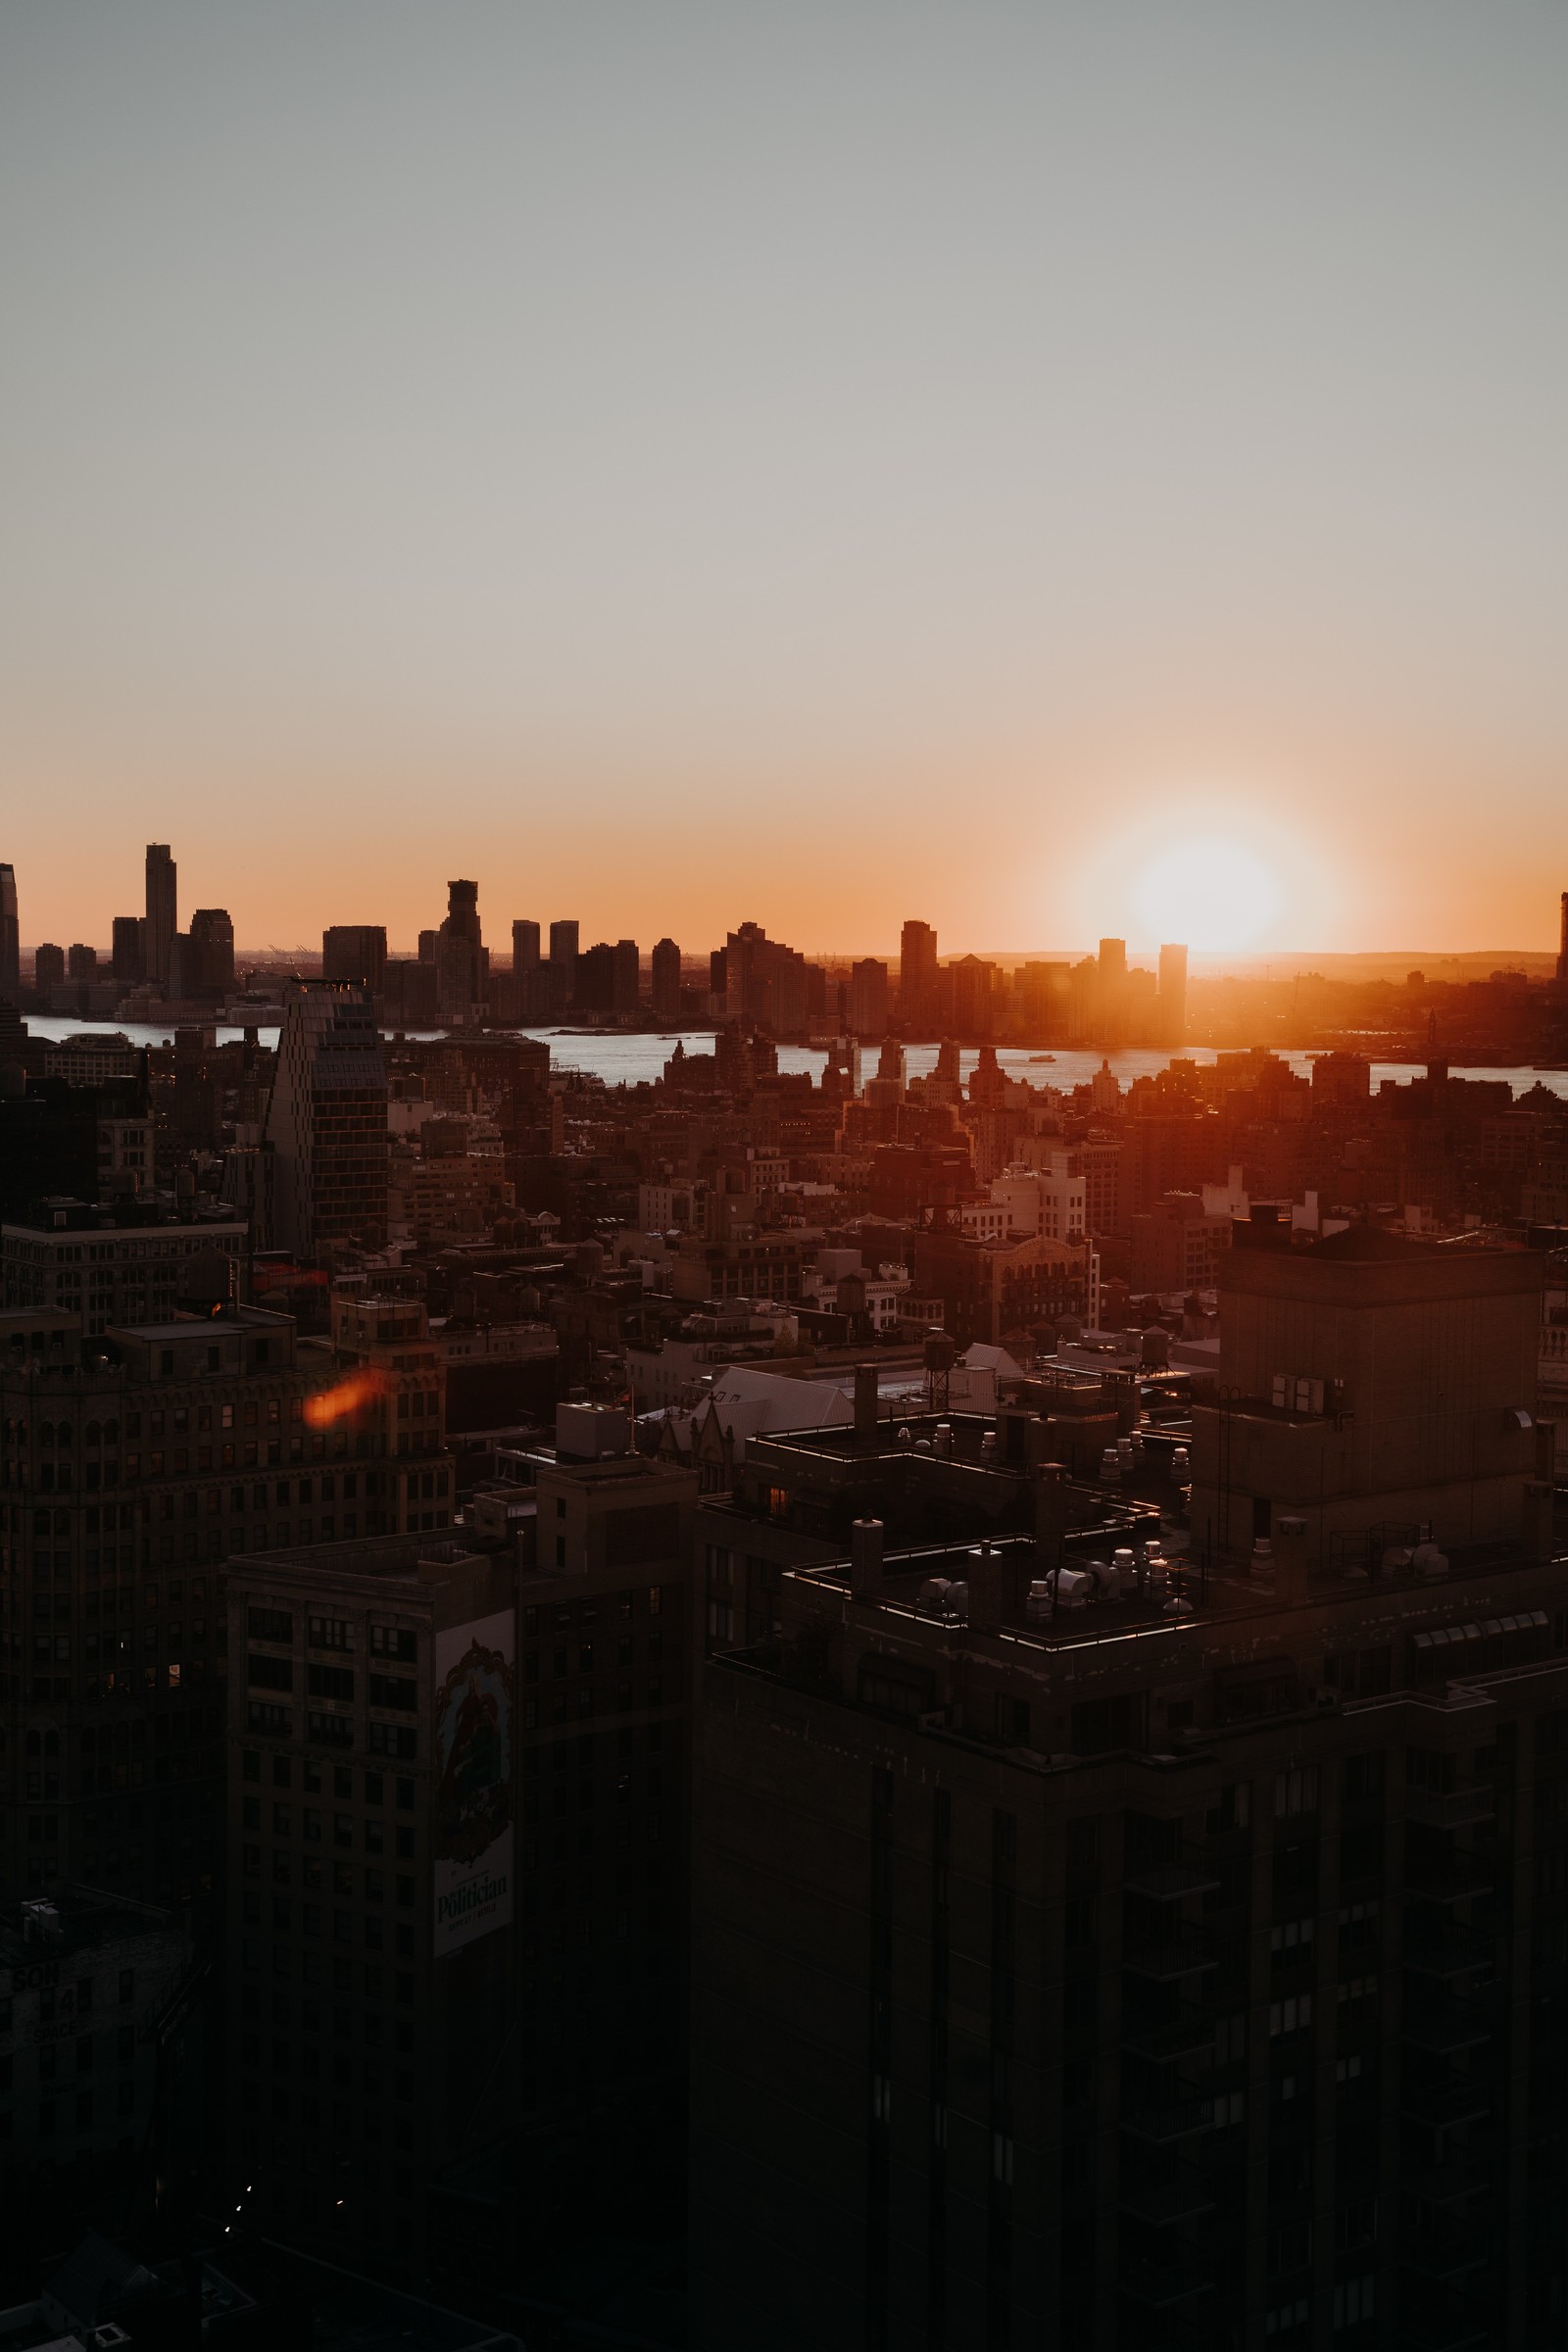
(1173, 996)
(563, 962)
(1562, 940)
(147, 1457)
(458, 1817)
(327, 1123)
(869, 998)
(626, 989)
(459, 956)
(201, 964)
(354, 955)
(10, 938)
(162, 912)
(48, 966)
(666, 978)
(1182, 1943)
(764, 983)
(127, 960)
(918, 974)
(525, 946)
(82, 962)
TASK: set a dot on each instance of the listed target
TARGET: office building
(1369, 1381)
(765, 983)
(327, 1123)
(458, 1815)
(48, 967)
(162, 912)
(563, 962)
(918, 975)
(459, 959)
(76, 1136)
(127, 958)
(354, 955)
(869, 998)
(10, 938)
(82, 962)
(664, 976)
(1183, 1946)
(200, 960)
(134, 1464)
(108, 1271)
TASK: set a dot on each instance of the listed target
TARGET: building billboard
(473, 1767)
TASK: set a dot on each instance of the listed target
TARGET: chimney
(1051, 1515)
(865, 1559)
(987, 1578)
(1292, 1552)
(865, 1405)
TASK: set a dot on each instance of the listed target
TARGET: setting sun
(1213, 894)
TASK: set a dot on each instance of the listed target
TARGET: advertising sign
(474, 1765)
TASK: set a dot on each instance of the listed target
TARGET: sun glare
(1212, 894)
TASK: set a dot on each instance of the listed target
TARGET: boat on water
(1042, 1057)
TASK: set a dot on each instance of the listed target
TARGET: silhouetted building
(1369, 1380)
(82, 962)
(459, 955)
(10, 938)
(764, 983)
(162, 912)
(666, 980)
(918, 975)
(354, 955)
(127, 958)
(200, 960)
(327, 1123)
(458, 1815)
(1183, 1954)
(48, 967)
(563, 962)
(869, 998)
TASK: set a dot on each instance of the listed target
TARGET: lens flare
(336, 1404)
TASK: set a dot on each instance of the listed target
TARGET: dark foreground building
(1141, 1960)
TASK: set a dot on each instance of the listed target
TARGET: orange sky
(678, 467)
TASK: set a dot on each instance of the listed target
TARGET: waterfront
(625, 1058)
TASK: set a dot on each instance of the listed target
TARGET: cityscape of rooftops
(783, 1178)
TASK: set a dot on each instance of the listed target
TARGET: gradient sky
(815, 463)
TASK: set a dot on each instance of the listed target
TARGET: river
(624, 1059)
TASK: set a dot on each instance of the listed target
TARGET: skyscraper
(354, 955)
(11, 936)
(1173, 996)
(666, 980)
(868, 998)
(326, 1122)
(525, 946)
(917, 973)
(127, 960)
(564, 961)
(459, 955)
(163, 910)
(1563, 946)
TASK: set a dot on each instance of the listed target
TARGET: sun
(1211, 894)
